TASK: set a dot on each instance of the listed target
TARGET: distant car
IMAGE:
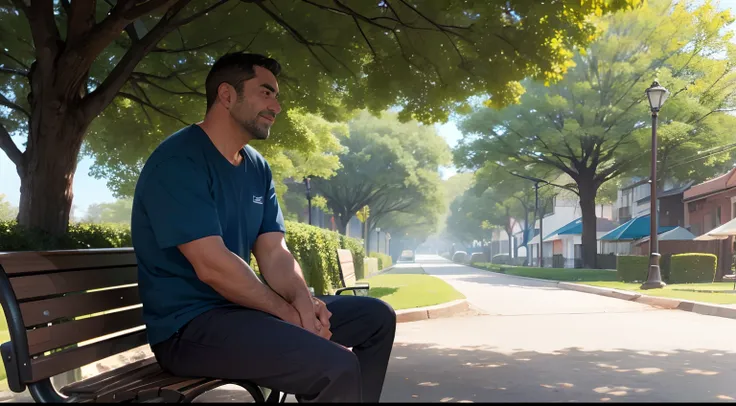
(406, 256)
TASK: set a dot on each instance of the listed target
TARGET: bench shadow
(382, 291)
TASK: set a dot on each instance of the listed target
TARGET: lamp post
(657, 96)
(378, 239)
(309, 199)
(536, 212)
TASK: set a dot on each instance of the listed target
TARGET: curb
(707, 309)
(433, 312)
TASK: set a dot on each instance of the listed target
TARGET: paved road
(536, 342)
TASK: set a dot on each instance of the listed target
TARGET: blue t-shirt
(188, 190)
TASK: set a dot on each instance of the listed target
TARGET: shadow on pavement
(423, 373)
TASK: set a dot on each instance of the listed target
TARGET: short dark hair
(235, 68)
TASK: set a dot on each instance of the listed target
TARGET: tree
(140, 66)
(388, 166)
(8, 212)
(593, 125)
(118, 211)
(460, 225)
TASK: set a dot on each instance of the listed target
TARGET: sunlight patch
(701, 372)
(649, 371)
(429, 384)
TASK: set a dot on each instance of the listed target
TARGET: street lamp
(536, 211)
(657, 96)
(378, 239)
(309, 198)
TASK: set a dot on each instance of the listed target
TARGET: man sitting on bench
(204, 200)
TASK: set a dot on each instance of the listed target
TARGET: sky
(88, 190)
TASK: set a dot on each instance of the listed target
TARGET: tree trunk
(56, 132)
(588, 192)
(341, 221)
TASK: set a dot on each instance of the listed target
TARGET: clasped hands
(315, 320)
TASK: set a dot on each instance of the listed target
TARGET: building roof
(634, 229)
(575, 227)
(723, 182)
(677, 233)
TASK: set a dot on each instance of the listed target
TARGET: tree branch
(140, 101)
(11, 150)
(43, 27)
(188, 49)
(13, 71)
(14, 59)
(95, 102)
(294, 33)
(4, 101)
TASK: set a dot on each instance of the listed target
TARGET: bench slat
(73, 332)
(26, 287)
(67, 360)
(97, 382)
(29, 262)
(44, 311)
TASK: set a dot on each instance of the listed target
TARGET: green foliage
(8, 211)
(632, 268)
(392, 168)
(118, 211)
(593, 125)
(356, 248)
(478, 257)
(693, 268)
(384, 261)
(80, 236)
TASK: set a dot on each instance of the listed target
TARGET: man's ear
(226, 94)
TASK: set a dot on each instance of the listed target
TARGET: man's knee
(382, 312)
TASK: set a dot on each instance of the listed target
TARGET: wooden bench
(347, 275)
(67, 309)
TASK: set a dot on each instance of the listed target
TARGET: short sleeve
(178, 203)
(273, 218)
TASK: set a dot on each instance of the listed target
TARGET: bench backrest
(347, 267)
(56, 302)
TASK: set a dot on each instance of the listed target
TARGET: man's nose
(275, 107)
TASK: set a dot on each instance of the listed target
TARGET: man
(204, 201)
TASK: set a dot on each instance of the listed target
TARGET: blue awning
(634, 229)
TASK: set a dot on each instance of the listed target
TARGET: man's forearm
(284, 276)
(231, 277)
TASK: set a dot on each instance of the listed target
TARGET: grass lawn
(678, 291)
(406, 291)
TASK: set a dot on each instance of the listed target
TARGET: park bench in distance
(347, 275)
(56, 302)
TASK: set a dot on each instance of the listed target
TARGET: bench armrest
(11, 367)
(359, 290)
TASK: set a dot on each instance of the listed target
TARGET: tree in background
(118, 212)
(592, 125)
(388, 166)
(140, 65)
(8, 212)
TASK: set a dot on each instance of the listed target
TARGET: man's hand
(323, 318)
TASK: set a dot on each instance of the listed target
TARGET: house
(711, 203)
(634, 201)
(567, 241)
(620, 240)
(565, 210)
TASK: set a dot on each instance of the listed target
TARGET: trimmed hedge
(384, 261)
(314, 248)
(693, 268)
(502, 259)
(632, 268)
(460, 257)
(478, 258)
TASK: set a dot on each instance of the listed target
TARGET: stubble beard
(252, 127)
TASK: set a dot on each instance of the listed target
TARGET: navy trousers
(244, 344)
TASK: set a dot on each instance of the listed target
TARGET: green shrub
(693, 268)
(632, 268)
(384, 261)
(478, 258)
(503, 259)
(460, 257)
(314, 248)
